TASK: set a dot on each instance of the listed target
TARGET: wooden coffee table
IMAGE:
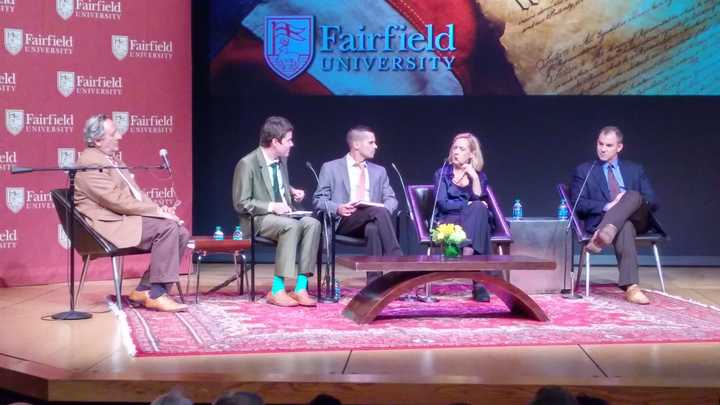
(405, 273)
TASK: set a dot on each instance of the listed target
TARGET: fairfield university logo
(97, 9)
(8, 82)
(289, 44)
(162, 195)
(66, 157)
(38, 123)
(17, 198)
(16, 40)
(143, 124)
(8, 160)
(8, 238)
(7, 6)
(124, 46)
(82, 84)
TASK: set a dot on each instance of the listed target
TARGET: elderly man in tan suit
(261, 188)
(117, 208)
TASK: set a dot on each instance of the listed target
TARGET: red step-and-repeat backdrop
(62, 61)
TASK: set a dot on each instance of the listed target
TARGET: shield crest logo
(13, 40)
(289, 44)
(63, 239)
(15, 198)
(14, 121)
(122, 120)
(66, 83)
(65, 8)
(66, 157)
(120, 46)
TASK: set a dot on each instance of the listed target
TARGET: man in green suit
(261, 188)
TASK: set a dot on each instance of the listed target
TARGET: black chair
(652, 237)
(422, 199)
(90, 245)
(256, 240)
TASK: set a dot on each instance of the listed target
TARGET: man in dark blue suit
(615, 205)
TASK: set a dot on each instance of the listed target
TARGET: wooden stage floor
(78, 361)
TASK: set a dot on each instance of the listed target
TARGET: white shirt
(269, 169)
(354, 175)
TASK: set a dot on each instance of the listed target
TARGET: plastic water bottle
(517, 210)
(218, 235)
(237, 235)
(563, 212)
(337, 289)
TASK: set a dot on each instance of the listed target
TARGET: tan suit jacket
(107, 203)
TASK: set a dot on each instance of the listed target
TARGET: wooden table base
(371, 300)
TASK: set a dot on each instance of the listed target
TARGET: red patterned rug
(227, 324)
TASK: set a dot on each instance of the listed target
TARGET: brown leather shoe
(592, 246)
(138, 297)
(635, 295)
(281, 299)
(303, 298)
(164, 303)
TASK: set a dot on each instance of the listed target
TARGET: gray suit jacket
(252, 187)
(334, 186)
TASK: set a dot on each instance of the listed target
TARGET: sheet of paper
(611, 47)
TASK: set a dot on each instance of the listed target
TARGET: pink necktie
(360, 190)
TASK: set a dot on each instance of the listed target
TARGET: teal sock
(278, 285)
(301, 283)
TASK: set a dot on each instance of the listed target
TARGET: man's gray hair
(94, 129)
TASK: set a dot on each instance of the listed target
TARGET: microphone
(587, 176)
(166, 162)
(402, 183)
(437, 192)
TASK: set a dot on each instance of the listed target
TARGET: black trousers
(376, 225)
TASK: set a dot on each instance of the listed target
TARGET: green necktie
(277, 197)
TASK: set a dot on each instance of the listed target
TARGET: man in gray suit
(261, 188)
(346, 183)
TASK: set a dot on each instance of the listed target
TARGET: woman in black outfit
(461, 184)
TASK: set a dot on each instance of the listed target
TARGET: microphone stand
(329, 295)
(72, 314)
(428, 287)
(405, 297)
(571, 295)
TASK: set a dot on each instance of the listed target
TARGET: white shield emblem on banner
(63, 239)
(66, 83)
(65, 8)
(120, 45)
(66, 157)
(14, 121)
(15, 198)
(13, 40)
(122, 120)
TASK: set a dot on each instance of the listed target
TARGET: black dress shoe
(480, 293)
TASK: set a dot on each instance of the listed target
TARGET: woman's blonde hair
(476, 156)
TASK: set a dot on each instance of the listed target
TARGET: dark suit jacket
(597, 193)
(252, 186)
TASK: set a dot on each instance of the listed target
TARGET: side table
(203, 245)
